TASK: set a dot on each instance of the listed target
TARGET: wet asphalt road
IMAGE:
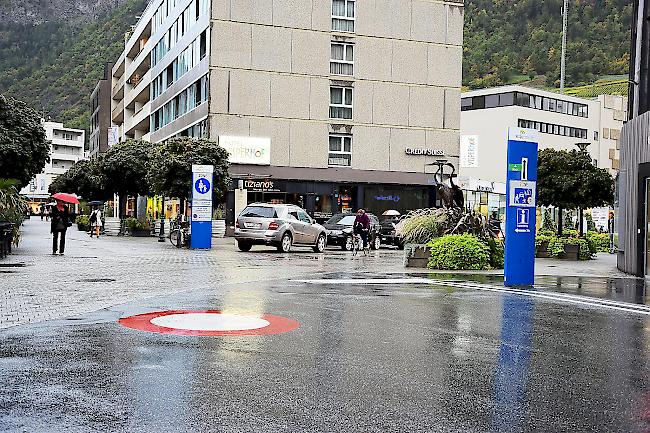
(401, 355)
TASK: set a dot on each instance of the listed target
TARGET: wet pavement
(377, 349)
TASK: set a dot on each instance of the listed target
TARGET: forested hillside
(53, 66)
(508, 39)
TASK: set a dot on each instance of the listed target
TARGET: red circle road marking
(142, 322)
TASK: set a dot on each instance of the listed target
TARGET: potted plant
(541, 246)
(83, 223)
(138, 227)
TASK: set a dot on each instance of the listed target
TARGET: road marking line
(558, 297)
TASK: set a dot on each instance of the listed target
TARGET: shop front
(323, 199)
(487, 198)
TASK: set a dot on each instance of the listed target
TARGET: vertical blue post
(521, 202)
(201, 206)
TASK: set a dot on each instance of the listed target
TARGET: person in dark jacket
(60, 221)
(362, 226)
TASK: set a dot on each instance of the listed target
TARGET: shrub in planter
(497, 253)
(598, 242)
(83, 222)
(459, 252)
(137, 225)
(557, 248)
(541, 245)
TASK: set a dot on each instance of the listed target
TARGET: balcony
(117, 115)
(140, 92)
(118, 90)
(140, 120)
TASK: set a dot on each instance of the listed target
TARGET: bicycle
(357, 245)
(179, 233)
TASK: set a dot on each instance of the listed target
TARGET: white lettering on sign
(426, 152)
(247, 150)
(257, 184)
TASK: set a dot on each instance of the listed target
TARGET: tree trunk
(123, 201)
(181, 209)
(560, 221)
(581, 228)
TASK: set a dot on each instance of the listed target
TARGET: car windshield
(259, 212)
(344, 220)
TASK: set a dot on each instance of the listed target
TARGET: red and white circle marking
(209, 323)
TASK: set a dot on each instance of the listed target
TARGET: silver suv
(280, 225)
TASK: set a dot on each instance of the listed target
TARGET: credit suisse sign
(247, 150)
(426, 152)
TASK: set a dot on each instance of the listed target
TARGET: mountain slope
(506, 38)
(54, 66)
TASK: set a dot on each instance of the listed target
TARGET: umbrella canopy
(95, 203)
(68, 198)
(391, 213)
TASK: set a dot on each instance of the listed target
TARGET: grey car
(279, 225)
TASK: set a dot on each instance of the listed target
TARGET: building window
(341, 102)
(340, 150)
(342, 62)
(343, 15)
(595, 135)
(548, 128)
(186, 101)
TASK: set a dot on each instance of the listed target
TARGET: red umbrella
(68, 198)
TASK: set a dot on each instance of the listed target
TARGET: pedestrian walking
(96, 218)
(362, 226)
(610, 230)
(42, 211)
(60, 221)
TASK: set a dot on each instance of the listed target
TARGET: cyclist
(362, 226)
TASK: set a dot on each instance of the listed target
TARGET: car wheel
(244, 246)
(285, 243)
(320, 244)
(377, 243)
(348, 244)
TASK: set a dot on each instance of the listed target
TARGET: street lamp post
(583, 148)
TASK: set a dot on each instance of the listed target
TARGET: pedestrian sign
(514, 167)
(202, 186)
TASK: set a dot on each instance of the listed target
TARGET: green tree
(569, 180)
(85, 179)
(24, 149)
(125, 167)
(170, 171)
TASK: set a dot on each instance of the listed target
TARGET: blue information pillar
(521, 201)
(202, 206)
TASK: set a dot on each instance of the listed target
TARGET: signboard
(523, 193)
(202, 206)
(469, 151)
(523, 134)
(113, 136)
(247, 150)
(521, 199)
(426, 152)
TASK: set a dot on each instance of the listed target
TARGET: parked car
(389, 235)
(339, 231)
(279, 225)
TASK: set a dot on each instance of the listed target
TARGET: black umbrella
(95, 203)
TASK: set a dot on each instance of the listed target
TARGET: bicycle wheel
(176, 238)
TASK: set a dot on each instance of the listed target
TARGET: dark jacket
(362, 221)
(63, 216)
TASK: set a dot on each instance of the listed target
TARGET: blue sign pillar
(521, 201)
(202, 206)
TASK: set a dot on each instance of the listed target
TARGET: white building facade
(67, 147)
(320, 102)
(562, 122)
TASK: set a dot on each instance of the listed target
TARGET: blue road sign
(521, 199)
(202, 186)
(202, 207)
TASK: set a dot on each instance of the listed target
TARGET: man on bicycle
(362, 226)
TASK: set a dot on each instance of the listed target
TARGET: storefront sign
(262, 185)
(113, 136)
(393, 198)
(425, 152)
(247, 150)
(469, 151)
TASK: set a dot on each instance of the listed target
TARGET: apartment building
(562, 122)
(329, 104)
(67, 147)
(100, 117)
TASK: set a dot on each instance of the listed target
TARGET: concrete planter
(140, 233)
(416, 255)
(542, 251)
(571, 252)
(83, 227)
(218, 228)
